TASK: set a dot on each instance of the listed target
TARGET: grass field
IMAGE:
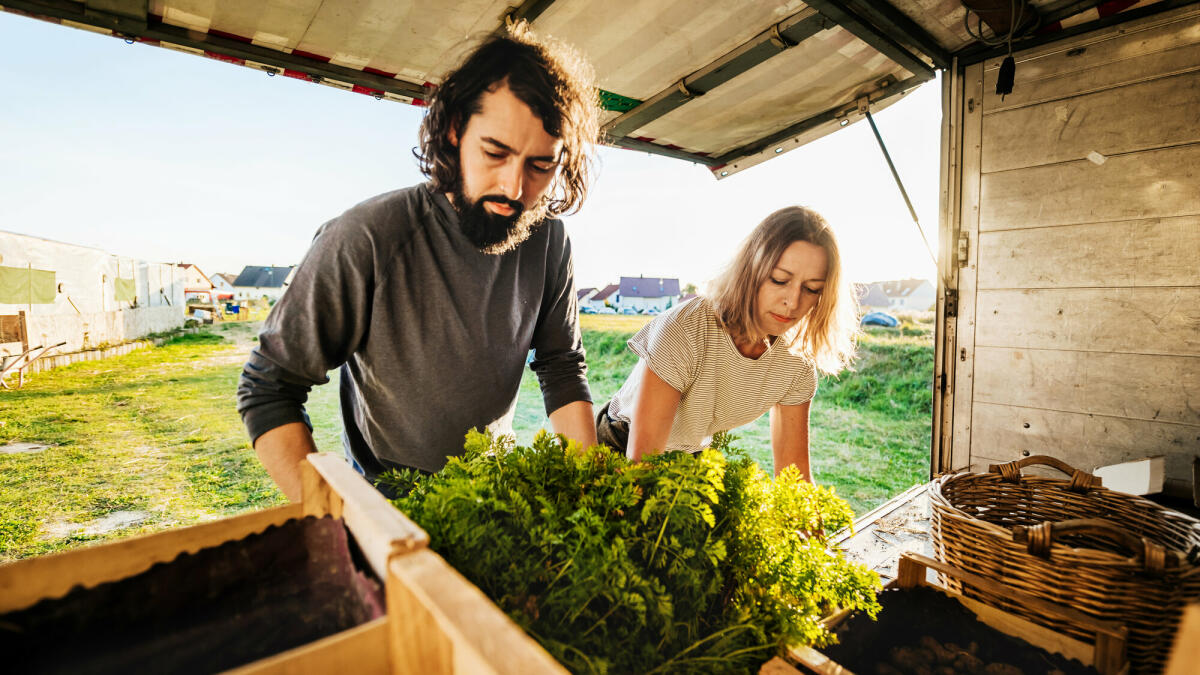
(151, 440)
(870, 428)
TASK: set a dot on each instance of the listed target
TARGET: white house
(909, 294)
(648, 293)
(255, 282)
(872, 296)
(223, 285)
(607, 294)
(196, 283)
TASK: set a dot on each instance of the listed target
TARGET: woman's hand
(789, 438)
(654, 408)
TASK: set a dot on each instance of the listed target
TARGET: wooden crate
(437, 621)
(1105, 653)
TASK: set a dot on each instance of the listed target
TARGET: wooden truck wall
(1072, 223)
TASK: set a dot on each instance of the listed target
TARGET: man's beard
(493, 233)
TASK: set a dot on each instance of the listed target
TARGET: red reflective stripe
(1115, 7)
(376, 71)
(310, 55)
(223, 57)
(229, 36)
(358, 88)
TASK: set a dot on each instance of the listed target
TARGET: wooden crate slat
(380, 529)
(450, 626)
(362, 650)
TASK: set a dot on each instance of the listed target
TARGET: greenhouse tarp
(126, 289)
(25, 286)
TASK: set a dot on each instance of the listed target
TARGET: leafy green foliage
(681, 563)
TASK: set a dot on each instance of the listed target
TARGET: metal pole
(903, 192)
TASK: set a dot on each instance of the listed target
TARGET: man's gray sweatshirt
(430, 333)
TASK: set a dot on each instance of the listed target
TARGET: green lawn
(151, 439)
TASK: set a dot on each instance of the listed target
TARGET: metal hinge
(951, 302)
(964, 243)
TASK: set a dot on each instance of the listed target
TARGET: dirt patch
(22, 448)
(117, 520)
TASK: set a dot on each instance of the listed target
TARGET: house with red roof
(602, 298)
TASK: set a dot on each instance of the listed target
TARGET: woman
(779, 313)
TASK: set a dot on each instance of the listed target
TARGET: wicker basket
(1113, 556)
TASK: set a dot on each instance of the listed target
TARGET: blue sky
(165, 156)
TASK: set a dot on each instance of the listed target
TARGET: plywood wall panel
(1151, 47)
(1123, 320)
(1154, 184)
(1003, 433)
(1109, 122)
(1137, 386)
(1154, 252)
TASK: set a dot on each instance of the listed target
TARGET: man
(429, 298)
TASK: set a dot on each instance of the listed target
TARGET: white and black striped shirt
(721, 389)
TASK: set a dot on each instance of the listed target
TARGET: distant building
(582, 294)
(262, 282)
(605, 295)
(909, 294)
(652, 294)
(872, 296)
(196, 283)
(223, 285)
(685, 297)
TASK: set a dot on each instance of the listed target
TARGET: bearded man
(429, 298)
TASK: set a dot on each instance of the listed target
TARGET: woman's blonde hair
(826, 336)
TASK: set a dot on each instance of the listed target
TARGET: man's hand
(576, 421)
(283, 448)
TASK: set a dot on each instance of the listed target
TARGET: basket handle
(1010, 472)
(1039, 538)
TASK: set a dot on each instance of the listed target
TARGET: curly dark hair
(549, 77)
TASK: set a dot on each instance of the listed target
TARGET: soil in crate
(921, 630)
(205, 612)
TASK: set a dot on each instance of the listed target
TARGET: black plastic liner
(910, 617)
(205, 612)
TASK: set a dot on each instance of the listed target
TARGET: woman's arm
(654, 408)
(789, 437)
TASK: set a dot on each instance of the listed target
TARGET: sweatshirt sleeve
(557, 341)
(314, 327)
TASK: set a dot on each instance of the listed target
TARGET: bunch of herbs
(680, 563)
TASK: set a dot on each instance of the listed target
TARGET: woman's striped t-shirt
(721, 389)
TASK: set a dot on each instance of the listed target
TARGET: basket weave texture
(1139, 568)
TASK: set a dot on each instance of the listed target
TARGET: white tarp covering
(85, 311)
(641, 51)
